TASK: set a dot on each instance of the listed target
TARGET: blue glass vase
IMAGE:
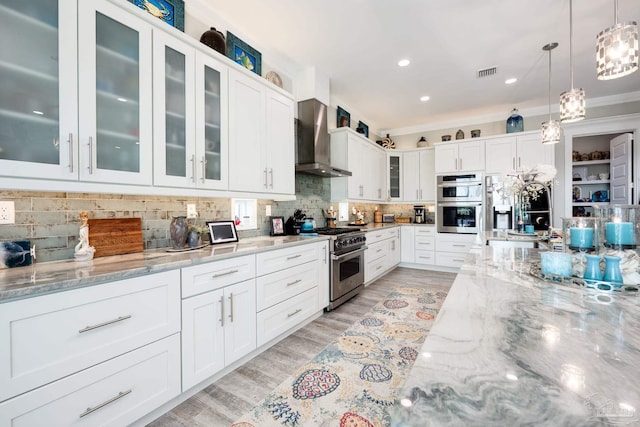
(592, 270)
(515, 122)
(612, 272)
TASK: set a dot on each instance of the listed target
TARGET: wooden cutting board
(115, 236)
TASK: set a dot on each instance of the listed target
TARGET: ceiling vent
(487, 72)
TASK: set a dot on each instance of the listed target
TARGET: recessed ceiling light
(424, 98)
(403, 62)
(510, 81)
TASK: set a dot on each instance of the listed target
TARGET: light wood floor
(229, 398)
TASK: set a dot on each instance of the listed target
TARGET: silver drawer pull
(378, 267)
(459, 246)
(108, 322)
(294, 257)
(458, 260)
(378, 235)
(105, 403)
(294, 313)
(294, 282)
(226, 273)
(231, 307)
(379, 250)
(221, 310)
(425, 257)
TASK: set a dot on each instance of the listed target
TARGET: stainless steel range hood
(312, 154)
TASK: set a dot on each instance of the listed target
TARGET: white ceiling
(357, 43)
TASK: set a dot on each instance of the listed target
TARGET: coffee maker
(419, 214)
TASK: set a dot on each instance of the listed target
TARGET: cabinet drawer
(214, 275)
(460, 243)
(281, 317)
(375, 251)
(282, 285)
(425, 231)
(45, 338)
(113, 393)
(425, 257)
(382, 234)
(375, 268)
(272, 261)
(445, 259)
(425, 243)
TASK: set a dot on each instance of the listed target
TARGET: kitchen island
(510, 349)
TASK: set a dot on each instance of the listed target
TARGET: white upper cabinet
(418, 175)
(394, 176)
(38, 89)
(261, 137)
(115, 95)
(515, 153)
(459, 157)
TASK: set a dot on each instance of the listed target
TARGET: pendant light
(617, 49)
(572, 104)
(550, 128)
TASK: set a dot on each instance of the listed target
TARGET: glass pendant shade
(572, 106)
(617, 50)
(551, 132)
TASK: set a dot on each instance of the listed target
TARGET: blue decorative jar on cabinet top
(515, 122)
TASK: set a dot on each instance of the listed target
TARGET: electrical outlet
(268, 210)
(7, 213)
(191, 211)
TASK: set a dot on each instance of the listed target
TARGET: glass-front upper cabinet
(38, 95)
(394, 164)
(115, 98)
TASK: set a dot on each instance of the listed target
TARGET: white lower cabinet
(45, 338)
(383, 252)
(453, 248)
(407, 239)
(114, 393)
(281, 317)
(218, 328)
(418, 244)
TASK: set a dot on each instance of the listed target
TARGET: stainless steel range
(347, 263)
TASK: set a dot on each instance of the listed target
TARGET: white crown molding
(494, 117)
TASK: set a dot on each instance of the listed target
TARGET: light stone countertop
(43, 278)
(378, 225)
(508, 349)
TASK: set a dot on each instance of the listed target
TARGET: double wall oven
(459, 203)
(346, 249)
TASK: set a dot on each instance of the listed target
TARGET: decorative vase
(592, 270)
(422, 142)
(215, 40)
(194, 239)
(460, 134)
(178, 230)
(515, 122)
(612, 272)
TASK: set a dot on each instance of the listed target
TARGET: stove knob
(338, 244)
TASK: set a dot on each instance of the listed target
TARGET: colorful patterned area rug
(354, 380)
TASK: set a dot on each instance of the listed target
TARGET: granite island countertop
(509, 349)
(42, 278)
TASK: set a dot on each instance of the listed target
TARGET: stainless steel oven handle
(461, 184)
(348, 254)
(462, 204)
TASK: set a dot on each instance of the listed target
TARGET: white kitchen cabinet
(455, 157)
(515, 153)
(76, 103)
(45, 338)
(394, 250)
(394, 175)
(425, 244)
(218, 328)
(383, 252)
(323, 275)
(407, 239)
(116, 392)
(419, 175)
(262, 152)
(366, 162)
(189, 155)
(452, 248)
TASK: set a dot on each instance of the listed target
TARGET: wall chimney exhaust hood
(312, 154)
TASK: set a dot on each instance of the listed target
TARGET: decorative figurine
(84, 252)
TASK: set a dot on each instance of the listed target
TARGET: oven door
(347, 272)
(459, 188)
(459, 217)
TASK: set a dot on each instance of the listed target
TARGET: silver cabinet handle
(455, 164)
(324, 254)
(513, 162)
(193, 168)
(378, 235)
(231, 307)
(271, 173)
(460, 163)
(90, 144)
(294, 313)
(265, 178)
(100, 325)
(105, 403)
(226, 273)
(293, 257)
(519, 162)
(71, 152)
(204, 169)
(222, 311)
(379, 250)
(459, 246)
(294, 282)
(458, 260)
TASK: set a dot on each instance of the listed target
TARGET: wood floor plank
(230, 397)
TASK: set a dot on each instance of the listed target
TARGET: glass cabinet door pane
(117, 96)
(175, 107)
(212, 122)
(29, 81)
(394, 176)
